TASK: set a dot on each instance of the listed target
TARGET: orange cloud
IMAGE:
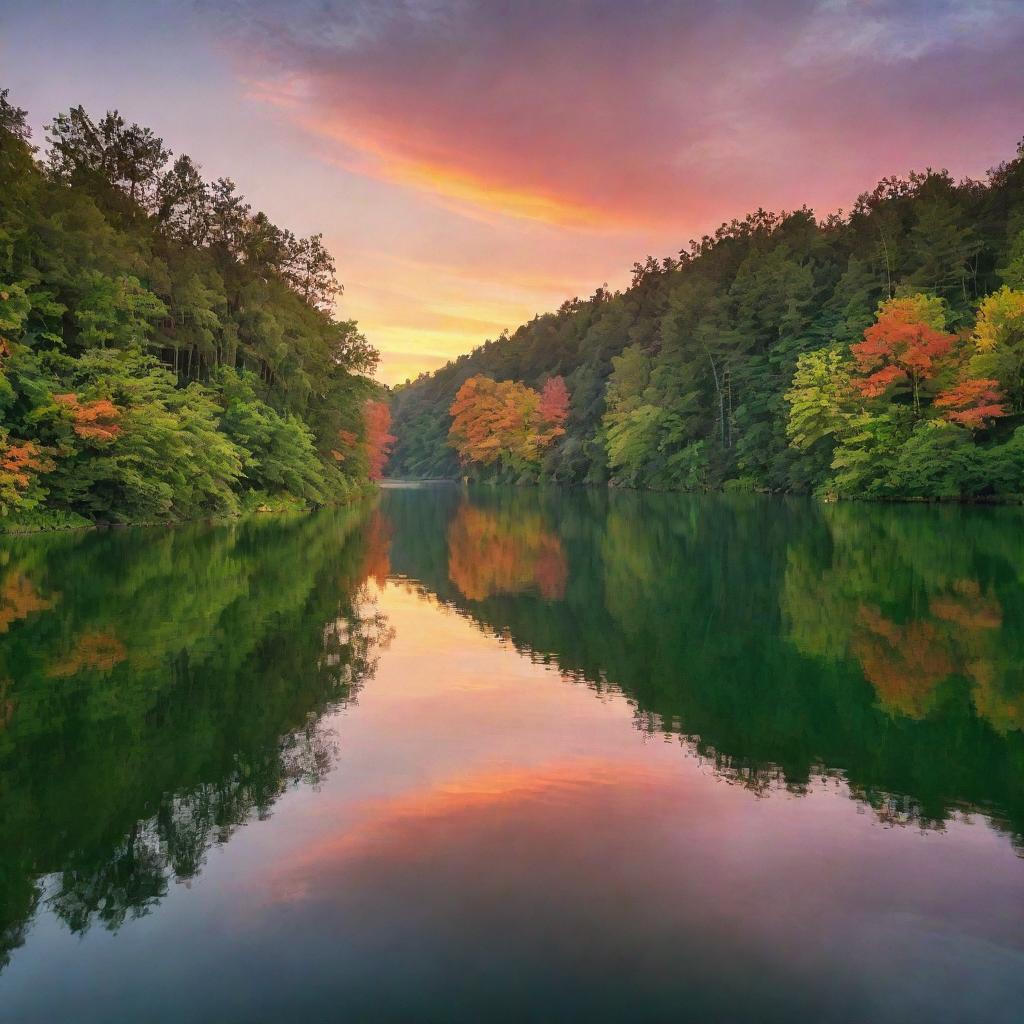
(448, 177)
(401, 823)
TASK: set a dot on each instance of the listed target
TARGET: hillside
(744, 361)
(165, 351)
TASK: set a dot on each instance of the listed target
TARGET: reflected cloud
(787, 641)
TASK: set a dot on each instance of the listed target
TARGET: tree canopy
(165, 351)
(783, 353)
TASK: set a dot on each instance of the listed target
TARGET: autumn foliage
(506, 420)
(973, 403)
(491, 554)
(900, 348)
(376, 443)
(379, 439)
(21, 463)
(554, 403)
(94, 421)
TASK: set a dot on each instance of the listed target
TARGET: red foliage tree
(554, 403)
(902, 347)
(972, 403)
(378, 437)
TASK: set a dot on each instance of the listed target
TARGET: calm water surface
(517, 756)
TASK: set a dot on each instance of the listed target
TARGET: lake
(517, 755)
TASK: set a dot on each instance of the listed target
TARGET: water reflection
(787, 639)
(497, 551)
(526, 814)
(159, 689)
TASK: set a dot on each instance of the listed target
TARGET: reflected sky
(496, 841)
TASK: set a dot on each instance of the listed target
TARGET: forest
(877, 353)
(166, 353)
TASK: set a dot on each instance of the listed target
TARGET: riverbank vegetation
(165, 351)
(878, 353)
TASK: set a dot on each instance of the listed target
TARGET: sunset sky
(472, 163)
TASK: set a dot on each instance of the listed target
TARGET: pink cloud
(616, 117)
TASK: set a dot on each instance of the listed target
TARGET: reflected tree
(161, 689)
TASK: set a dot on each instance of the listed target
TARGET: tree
(278, 454)
(999, 342)
(126, 285)
(1013, 272)
(554, 402)
(125, 156)
(96, 421)
(972, 403)
(819, 397)
(183, 203)
(905, 347)
(943, 249)
(499, 422)
(14, 120)
(115, 311)
(378, 438)
(311, 270)
(21, 465)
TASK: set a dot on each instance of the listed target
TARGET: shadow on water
(785, 640)
(158, 689)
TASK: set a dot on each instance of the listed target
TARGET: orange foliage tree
(904, 347)
(506, 420)
(95, 421)
(973, 402)
(21, 463)
(379, 438)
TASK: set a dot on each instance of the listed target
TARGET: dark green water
(517, 756)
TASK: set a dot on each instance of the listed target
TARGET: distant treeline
(165, 352)
(875, 354)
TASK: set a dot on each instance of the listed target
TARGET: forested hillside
(877, 353)
(165, 352)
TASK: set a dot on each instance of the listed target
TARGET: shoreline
(152, 524)
(412, 482)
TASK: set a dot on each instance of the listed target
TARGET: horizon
(427, 140)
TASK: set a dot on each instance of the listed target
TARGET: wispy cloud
(603, 115)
